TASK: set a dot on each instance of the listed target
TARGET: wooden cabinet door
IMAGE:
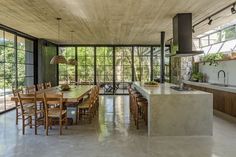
(233, 104)
(228, 103)
(219, 100)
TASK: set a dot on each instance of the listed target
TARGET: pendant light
(72, 61)
(58, 59)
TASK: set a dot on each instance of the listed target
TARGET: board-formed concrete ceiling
(107, 21)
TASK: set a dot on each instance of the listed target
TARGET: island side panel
(181, 115)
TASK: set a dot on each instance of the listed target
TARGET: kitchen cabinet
(222, 101)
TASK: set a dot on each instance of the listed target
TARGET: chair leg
(16, 115)
(23, 124)
(30, 121)
(35, 124)
(60, 126)
(47, 126)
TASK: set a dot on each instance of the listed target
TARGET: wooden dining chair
(17, 104)
(30, 89)
(87, 108)
(52, 112)
(40, 86)
(29, 110)
(48, 85)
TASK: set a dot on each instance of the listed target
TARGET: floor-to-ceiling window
(123, 69)
(25, 62)
(114, 67)
(16, 66)
(85, 64)
(104, 68)
(142, 63)
(66, 71)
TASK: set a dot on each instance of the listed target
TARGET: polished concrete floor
(112, 134)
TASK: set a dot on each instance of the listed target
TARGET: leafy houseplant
(197, 77)
(213, 58)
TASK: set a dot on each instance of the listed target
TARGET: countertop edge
(207, 85)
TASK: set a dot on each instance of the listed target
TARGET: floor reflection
(112, 134)
(114, 116)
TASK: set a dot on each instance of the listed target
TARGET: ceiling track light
(231, 7)
(193, 30)
(210, 21)
(233, 11)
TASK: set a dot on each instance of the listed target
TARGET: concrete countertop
(209, 85)
(164, 89)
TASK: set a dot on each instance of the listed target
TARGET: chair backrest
(30, 89)
(40, 86)
(16, 91)
(27, 99)
(51, 99)
(92, 97)
(48, 85)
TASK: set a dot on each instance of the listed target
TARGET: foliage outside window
(142, 68)
(228, 33)
(16, 66)
(67, 72)
(85, 64)
(215, 38)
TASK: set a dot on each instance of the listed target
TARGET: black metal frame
(16, 34)
(208, 35)
(113, 58)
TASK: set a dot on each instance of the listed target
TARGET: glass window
(9, 39)
(8, 63)
(215, 38)
(20, 43)
(215, 48)
(142, 67)
(104, 68)
(206, 49)
(123, 68)
(85, 64)
(204, 41)
(67, 72)
(1, 37)
(228, 46)
(228, 33)
(2, 58)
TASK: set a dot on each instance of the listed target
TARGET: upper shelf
(222, 60)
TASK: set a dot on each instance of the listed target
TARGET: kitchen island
(177, 113)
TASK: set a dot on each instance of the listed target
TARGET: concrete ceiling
(107, 21)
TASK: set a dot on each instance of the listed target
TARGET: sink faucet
(223, 73)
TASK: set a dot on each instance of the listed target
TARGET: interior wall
(46, 71)
(212, 72)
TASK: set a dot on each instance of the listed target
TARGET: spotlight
(210, 21)
(193, 30)
(233, 11)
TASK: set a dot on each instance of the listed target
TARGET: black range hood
(182, 36)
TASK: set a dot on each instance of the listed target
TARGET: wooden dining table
(70, 97)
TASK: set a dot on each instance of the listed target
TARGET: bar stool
(139, 108)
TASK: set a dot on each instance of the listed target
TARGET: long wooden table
(72, 96)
